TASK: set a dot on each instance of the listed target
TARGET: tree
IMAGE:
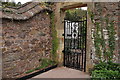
(75, 14)
(10, 3)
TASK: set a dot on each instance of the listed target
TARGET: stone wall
(25, 43)
(119, 31)
(101, 11)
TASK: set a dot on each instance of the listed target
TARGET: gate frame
(59, 18)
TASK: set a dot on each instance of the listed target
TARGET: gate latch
(63, 51)
(63, 34)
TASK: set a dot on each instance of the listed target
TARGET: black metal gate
(75, 44)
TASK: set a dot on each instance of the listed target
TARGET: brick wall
(25, 43)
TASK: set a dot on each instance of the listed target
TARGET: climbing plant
(103, 53)
(54, 38)
(97, 41)
(104, 49)
(111, 40)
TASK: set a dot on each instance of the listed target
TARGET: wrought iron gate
(75, 44)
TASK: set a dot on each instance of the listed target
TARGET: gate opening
(75, 29)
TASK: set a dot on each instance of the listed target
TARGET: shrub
(108, 66)
(106, 70)
(105, 74)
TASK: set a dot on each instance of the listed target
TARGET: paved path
(63, 72)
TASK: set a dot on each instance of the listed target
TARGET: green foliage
(29, 71)
(105, 74)
(10, 4)
(91, 14)
(54, 38)
(44, 63)
(74, 15)
(99, 41)
(107, 70)
(108, 66)
(111, 39)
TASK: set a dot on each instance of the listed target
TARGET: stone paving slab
(63, 72)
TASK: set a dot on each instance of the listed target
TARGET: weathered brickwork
(25, 43)
(111, 11)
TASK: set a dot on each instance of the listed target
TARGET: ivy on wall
(102, 52)
(111, 40)
(54, 38)
(98, 40)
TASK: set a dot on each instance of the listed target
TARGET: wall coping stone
(24, 12)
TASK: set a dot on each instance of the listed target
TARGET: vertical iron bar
(78, 36)
(71, 46)
(82, 41)
(66, 44)
(80, 44)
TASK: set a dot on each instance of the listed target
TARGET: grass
(29, 71)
